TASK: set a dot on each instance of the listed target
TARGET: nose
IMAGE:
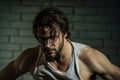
(48, 43)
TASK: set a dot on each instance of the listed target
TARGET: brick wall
(92, 22)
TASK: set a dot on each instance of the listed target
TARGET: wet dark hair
(51, 17)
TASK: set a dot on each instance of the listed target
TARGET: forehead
(46, 31)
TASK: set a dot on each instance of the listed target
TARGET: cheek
(57, 43)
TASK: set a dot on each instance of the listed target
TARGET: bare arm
(19, 66)
(10, 72)
(98, 63)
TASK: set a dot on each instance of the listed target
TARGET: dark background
(92, 22)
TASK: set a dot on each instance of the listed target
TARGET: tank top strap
(77, 49)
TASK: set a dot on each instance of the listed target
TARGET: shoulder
(25, 60)
(91, 54)
(78, 46)
(94, 59)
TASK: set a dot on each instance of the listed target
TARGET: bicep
(100, 64)
(104, 67)
(112, 72)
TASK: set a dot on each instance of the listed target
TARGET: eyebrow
(47, 37)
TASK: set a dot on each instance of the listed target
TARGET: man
(58, 58)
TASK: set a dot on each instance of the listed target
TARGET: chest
(84, 73)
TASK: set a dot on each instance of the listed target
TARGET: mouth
(51, 51)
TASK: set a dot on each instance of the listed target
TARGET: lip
(50, 51)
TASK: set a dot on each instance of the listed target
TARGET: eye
(53, 38)
(40, 39)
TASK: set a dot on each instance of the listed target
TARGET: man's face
(52, 42)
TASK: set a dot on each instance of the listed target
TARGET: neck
(66, 50)
(63, 61)
(65, 53)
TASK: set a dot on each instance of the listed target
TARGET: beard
(53, 53)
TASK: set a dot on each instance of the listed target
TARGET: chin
(51, 55)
